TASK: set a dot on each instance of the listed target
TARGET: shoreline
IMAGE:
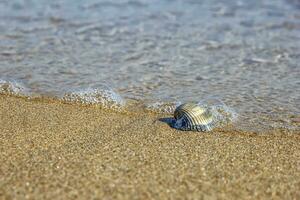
(50, 149)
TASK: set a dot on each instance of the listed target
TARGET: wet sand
(52, 150)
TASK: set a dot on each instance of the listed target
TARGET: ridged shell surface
(190, 116)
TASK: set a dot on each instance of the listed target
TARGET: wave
(12, 87)
(103, 96)
(163, 107)
(106, 97)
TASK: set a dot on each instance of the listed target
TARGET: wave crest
(12, 88)
(105, 97)
(223, 115)
(163, 107)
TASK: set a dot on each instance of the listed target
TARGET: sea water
(239, 56)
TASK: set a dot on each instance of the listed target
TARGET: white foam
(223, 115)
(105, 97)
(12, 88)
(163, 107)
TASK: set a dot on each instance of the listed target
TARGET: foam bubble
(223, 115)
(163, 107)
(12, 88)
(103, 96)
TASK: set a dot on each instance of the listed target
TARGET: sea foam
(12, 87)
(163, 107)
(103, 96)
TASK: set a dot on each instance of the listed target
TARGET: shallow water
(242, 53)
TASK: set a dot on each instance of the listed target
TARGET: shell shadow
(168, 120)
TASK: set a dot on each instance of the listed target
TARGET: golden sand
(52, 150)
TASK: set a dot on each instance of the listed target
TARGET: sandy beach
(53, 150)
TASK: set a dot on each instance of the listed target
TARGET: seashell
(191, 116)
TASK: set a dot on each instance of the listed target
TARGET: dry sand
(52, 150)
